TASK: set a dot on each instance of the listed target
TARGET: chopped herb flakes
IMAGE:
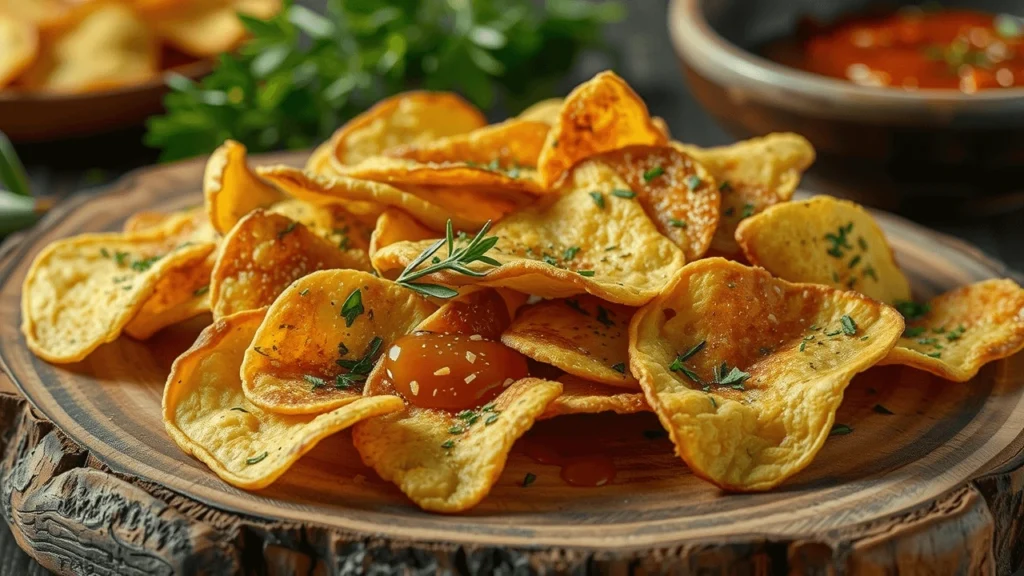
(316, 382)
(619, 193)
(734, 378)
(913, 331)
(839, 241)
(287, 230)
(491, 419)
(912, 310)
(693, 182)
(448, 444)
(677, 223)
(239, 409)
(748, 211)
(201, 290)
(725, 186)
(260, 351)
(653, 173)
(529, 479)
(803, 346)
(144, 264)
(352, 307)
(575, 305)
(256, 459)
(358, 369)
(598, 199)
(678, 366)
(548, 259)
(456, 429)
(882, 410)
(849, 326)
(586, 273)
(956, 334)
(602, 317)
(934, 354)
(570, 252)
(304, 292)
(620, 367)
(840, 430)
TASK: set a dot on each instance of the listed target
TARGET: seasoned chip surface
(588, 240)
(584, 336)
(963, 330)
(208, 416)
(746, 371)
(825, 241)
(231, 189)
(751, 175)
(320, 322)
(580, 396)
(508, 146)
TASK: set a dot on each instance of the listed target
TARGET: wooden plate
(898, 488)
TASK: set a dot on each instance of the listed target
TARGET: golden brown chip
(322, 336)
(580, 396)
(583, 336)
(142, 220)
(332, 222)
(19, 44)
(231, 189)
(600, 115)
(319, 161)
(44, 14)
(662, 126)
(752, 175)
(545, 111)
(106, 47)
(182, 293)
(508, 146)
(746, 371)
(589, 240)
(81, 291)
(677, 193)
(203, 28)
(263, 254)
(408, 118)
(503, 182)
(394, 225)
(366, 197)
(963, 330)
(207, 415)
(825, 241)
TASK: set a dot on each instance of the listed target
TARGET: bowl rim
(724, 63)
(191, 70)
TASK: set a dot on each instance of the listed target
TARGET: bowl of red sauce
(901, 100)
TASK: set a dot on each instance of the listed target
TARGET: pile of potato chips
(72, 46)
(635, 272)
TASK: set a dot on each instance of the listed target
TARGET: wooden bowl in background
(41, 116)
(898, 150)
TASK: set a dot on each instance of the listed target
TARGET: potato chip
(583, 336)
(393, 226)
(963, 330)
(677, 193)
(263, 254)
(366, 197)
(203, 28)
(746, 371)
(509, 182)
(408, 118)
(107, 47)
(752, 175)
(81, 291)
(580, 396)
(208, 416)
(507, 146)
(824, 241)
(662, 126)
(231, 189)
(19, 44)
(545, 111)
(319, 161)
(588, 240)
(44, 14)
(182, 293)
(332, 222)
(143, 220)
(600, 115)
(321, 338)
(447, 461)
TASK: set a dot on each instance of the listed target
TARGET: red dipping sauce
(912, 49)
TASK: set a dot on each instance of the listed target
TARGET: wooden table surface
(647, 62)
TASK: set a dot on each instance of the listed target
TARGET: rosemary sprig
(458, 260)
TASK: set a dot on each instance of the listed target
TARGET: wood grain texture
(938, 486)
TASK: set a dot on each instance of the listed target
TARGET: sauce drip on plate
(912, 48)
(586, 470)
(451, 371)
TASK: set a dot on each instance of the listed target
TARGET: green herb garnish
(849, 326)
(359, 368)
(529, 479)
(620, 367)
(619, 193)
(882, 410)
(201, 290)
(912, 310)
(316, 382)
(352, 307)
(602, 316)
(734, 377)
(840, 430)
(653, 173)
(256, 459)
(458, 261)
(586, 273)
(677, 223)
(287, 230)
(693, 182)
(598, 199)
(570, 252)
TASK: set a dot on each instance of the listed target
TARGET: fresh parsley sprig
(458, 260)
(302, 74)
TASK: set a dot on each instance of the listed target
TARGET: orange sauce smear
(587, 470)
(451, 371)
(912, 49)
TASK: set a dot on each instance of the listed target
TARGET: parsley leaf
(352, 307)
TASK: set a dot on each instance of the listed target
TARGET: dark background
(646, 60)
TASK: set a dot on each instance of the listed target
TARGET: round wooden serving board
(936, 486)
